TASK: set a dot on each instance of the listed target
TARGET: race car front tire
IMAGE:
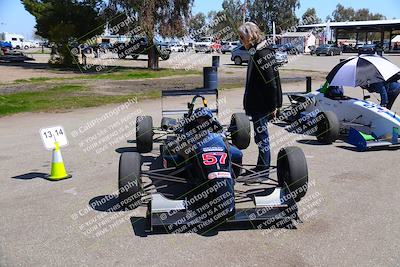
(328, 127)
(129, 180)
(240, 130)
(292, 169)
(144, 134)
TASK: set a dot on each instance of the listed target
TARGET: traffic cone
(58, 171)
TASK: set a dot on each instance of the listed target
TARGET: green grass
(118, 75)
(39, 52)
(33, 80)
(61, 98)
(138, 74)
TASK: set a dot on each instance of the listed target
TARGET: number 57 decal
(211, 158)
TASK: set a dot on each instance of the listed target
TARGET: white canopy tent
(396, 39)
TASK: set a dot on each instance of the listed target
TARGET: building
(385, 30)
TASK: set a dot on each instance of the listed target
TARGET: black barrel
(210, 77)
(215, 61)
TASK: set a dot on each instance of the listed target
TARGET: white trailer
(17, 40)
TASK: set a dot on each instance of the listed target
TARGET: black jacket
(263, 92)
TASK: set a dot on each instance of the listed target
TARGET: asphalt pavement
(350, 213)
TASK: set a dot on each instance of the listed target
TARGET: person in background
(263, 93)
(387, 90)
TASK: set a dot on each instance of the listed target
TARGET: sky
(14, 18)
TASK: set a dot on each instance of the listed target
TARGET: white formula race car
(365, 123)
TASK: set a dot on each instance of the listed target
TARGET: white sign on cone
(53, 134)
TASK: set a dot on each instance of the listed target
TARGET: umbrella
(362, 71)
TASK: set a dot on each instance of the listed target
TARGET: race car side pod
(364, 141)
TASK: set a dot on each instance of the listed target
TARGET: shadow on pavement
(312, 142)
(105, 203)
(45, 66)
(30, 175)
(125, 149)
(371, 149)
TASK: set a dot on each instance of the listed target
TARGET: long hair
(252, 32)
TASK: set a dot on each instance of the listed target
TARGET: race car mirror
(53, 134)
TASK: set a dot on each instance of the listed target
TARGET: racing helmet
(201, 116)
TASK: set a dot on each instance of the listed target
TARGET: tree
(234, 12)
(310, 17)
(263, 13)
(349, 14)
(64, 22)
(196, 23)
(168, 18)
(223, 24)
(343, 14)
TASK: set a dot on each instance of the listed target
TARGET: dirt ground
(230, 76)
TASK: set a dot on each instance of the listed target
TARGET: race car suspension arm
(160, 134)
(254, 174)
(156, 174)
(159, 176)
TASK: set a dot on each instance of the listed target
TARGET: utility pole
(244, 11)
(273, 32)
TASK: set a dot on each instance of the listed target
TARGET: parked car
(177, 48)
(203, 45)
(5, 45)
(328, 49)
(367, 49)
(289, 48)
(140, 46)
(229, 46)
(240, 55)
(104, 47)
(349, 49)
(281, 57)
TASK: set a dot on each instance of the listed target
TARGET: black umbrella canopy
(362, 71)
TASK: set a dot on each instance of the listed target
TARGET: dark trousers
(261, 137)
(393, 92)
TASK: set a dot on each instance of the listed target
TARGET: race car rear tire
(328, 127)
(292, 170)
(240, 130)
(144, 134)
(129, 180)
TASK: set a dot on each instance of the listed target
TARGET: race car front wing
(277, 209)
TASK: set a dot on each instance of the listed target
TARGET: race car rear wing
(185, 92)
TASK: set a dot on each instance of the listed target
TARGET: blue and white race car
(202, 164)
(365, 123)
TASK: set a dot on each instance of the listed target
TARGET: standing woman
(263, 93)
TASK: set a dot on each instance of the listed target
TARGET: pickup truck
(139, 46)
